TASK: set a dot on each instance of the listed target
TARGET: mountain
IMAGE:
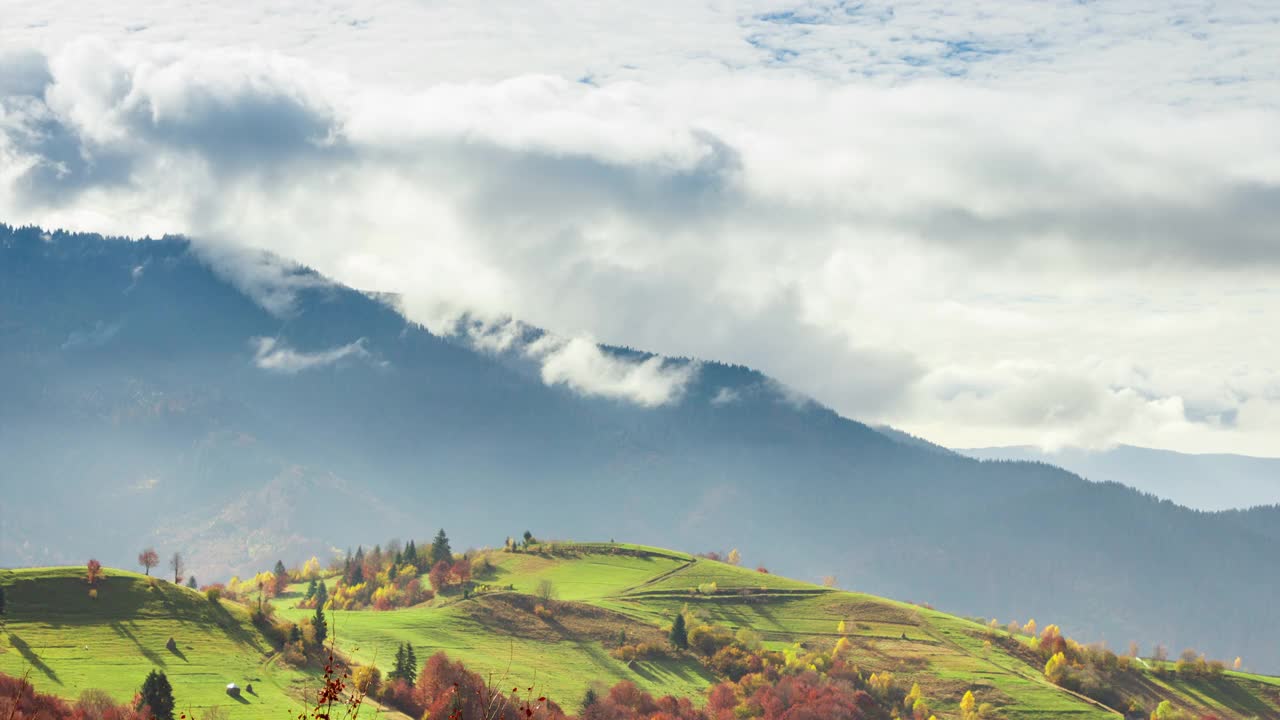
(1204, 482)
(240, 409)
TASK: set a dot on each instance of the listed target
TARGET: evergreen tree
(191, 582)
(410, 664)
(411, 554)
(322, 594)
(528, 538)
(589, 699)
(311, 590)
(398, 671)
(440, 550)
(157, 694)
(280, 570)
(679, 633)
(318, 622)
(295, 633)
(3, 618)
(357, 574)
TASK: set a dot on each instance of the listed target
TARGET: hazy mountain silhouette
(151, 400)
(1204, 482)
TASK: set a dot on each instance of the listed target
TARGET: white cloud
(876, 204)
(585, 367)
(271, 354)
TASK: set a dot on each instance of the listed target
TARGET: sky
(1044, 223)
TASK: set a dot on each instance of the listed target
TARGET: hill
(70, 641)
(1211, 482)
(241, 409)
(604, 590)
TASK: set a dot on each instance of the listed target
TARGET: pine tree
(295, 633)
(410, 664)
(311, 590)
(679, 633)
(280, 570)
(589, 699)
(191, 582)
(318, 622)
(3, 617)
(411, 554)
(440, 550)
(157, 694)
(322, 594)
(398, 670)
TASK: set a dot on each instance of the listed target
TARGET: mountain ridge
(170, 399)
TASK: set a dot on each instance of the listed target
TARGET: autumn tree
(439, 576)
(968, 706)
(1239, 663)
(735, 557)
(93, 572)
(175, 564)
(829, 581)
(157, 695)
(148, 559)
(679, 635)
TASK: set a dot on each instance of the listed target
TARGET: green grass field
(600, 590)
(69, 642)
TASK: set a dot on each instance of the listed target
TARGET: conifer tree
(191, 582)
(411, 554)
(398, 670)
(322, 594)
(311, 590)
(589, 699)
(318, 622)
(410, 664)
(157, 694)
(440, 550)
(3, 618)
(679, 633)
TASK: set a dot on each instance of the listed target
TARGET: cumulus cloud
(585, 367)
(877, 205)
(271, 354)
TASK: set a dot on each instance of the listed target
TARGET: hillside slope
(70, 642)
(243, 411)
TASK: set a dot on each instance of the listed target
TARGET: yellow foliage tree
(968, 706)
(311, 568)
(842, 647)
(842, 628)
(1056, 668)
(1030, 627)
(1237, 664)
(735, 557)
(912, 696)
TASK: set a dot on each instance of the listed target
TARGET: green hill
(600, 592)
(70, 642)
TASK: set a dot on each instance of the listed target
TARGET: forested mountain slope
(149, 399)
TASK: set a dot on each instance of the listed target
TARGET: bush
(213, 594)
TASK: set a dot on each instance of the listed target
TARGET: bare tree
(175, 564)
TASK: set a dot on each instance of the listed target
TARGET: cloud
(271, 354)
(871, 202)
(100, 334)
(586, 368)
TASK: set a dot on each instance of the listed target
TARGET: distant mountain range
(240, 409)
(1204, 482)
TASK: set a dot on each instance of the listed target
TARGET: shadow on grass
(32, 659)
(123, 631)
